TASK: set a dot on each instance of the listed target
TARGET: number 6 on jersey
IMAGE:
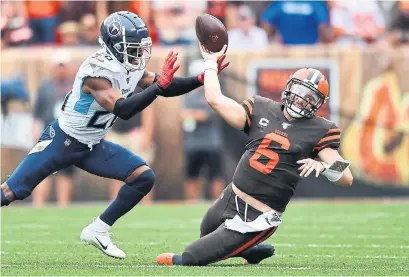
(263, 150)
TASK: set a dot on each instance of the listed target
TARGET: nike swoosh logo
(103, 247)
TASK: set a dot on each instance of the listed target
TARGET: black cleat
(257, 253)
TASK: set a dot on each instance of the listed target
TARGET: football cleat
(165, 259)
(259, 253)
(102, 241)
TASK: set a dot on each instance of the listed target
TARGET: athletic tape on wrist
(209, 64)
(332, 175)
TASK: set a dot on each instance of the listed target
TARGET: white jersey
(82, 117)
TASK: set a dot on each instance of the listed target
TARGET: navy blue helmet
(125, 37)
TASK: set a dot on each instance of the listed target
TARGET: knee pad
(144, 182)
(189, 260)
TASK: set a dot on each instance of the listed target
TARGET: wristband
(335, 171)
(209, 64)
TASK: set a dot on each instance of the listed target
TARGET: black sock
(177, 259)
(128, 196)
(4, 200)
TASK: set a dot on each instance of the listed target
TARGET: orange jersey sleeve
(331, 139)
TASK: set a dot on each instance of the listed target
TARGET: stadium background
(366, 59)
(361, 46)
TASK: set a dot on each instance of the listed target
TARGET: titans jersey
(82, 117)
(268, 169)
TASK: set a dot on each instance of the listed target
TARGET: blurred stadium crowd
(252, 25)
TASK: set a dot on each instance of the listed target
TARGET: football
(211, 32)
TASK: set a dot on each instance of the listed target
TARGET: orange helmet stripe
(323, 86)
(314, 76)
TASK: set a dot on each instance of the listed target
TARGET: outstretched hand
(168, 70)
(308, 166)
(207, 55)
(218, 57)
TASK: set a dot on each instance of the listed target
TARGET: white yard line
(342, 245)
(348, 236)
(287, 233)
(219, 266)
(276, 256)
(295, 201)
(333, 227)
(341, 256)
(55, 242)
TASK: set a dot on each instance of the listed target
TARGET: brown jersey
(268, 169)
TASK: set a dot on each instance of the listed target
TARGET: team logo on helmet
(114, 29)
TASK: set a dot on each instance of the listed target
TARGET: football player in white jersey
(102, 91)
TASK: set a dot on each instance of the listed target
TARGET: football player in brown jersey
(286, 142)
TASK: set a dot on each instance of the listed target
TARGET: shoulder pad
(102, 60)
(328, 124)
(261, 99)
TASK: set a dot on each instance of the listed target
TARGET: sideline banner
(377, 138)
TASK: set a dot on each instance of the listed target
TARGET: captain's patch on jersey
(263, 123)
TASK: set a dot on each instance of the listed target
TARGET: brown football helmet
(306, 91)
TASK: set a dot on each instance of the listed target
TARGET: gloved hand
(168, 70)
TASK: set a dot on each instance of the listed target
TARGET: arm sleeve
(181, 85)
(126, 108)
(331, 139)
(248, 106)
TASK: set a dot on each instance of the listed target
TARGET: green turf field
(314, 239)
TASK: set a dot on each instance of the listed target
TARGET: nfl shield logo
(285, 125)
(214, 38)
(67, 142)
